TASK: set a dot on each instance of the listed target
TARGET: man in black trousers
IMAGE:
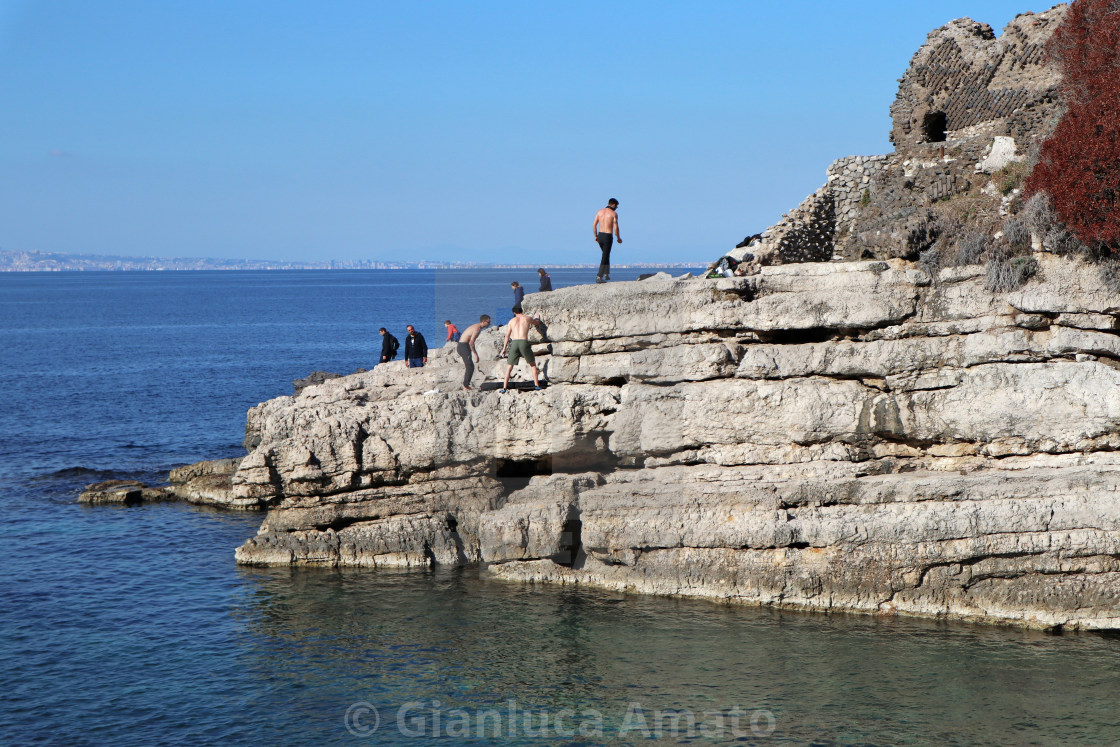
(606, 223)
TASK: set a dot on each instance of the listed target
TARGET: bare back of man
(517, 341)
(606, 231)
(466, 348)
(470, 334)
(519, 327)
(605, 221)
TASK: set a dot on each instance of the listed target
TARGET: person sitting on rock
(546, 281)
(517, 340)
(415, 349)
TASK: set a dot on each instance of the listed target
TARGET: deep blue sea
(133, 625)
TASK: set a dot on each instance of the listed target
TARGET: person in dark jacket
(546, 281)
(518, 293)
(415, 349)
(389, 346)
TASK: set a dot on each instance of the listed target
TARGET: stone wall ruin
(964, 88)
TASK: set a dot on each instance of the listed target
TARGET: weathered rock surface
(204, 483)
(855, 436)
(125, 492)
(313, 378)
(208, 483)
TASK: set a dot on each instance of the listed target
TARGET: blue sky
(483, 131)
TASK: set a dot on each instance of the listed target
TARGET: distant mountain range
(13, 261)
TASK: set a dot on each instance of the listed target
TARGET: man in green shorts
(519, 347)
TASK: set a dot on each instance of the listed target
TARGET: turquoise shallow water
(134, 626)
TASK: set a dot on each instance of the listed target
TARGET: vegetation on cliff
(1079, 164)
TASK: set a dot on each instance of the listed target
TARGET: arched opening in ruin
(934, 126)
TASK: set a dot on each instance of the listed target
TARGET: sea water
(133, 625)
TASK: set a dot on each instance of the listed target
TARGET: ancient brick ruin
(964, 95)
(965, 81)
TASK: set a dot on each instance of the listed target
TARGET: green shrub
(1010, 177)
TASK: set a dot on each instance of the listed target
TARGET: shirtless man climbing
(466, 347)
(606, 223)
(519, 347)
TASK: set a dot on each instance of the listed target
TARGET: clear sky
(475, 131)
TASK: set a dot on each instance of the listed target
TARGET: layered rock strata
(857, 436)
(206, 483)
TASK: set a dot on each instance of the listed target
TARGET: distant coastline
(15, 261)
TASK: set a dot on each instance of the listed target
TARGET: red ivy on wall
(1079, 164)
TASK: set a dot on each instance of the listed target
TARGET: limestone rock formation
(124, 492)
(204, 483)
(208, 483)
(877, 436)
(315, 377)
(857, 436)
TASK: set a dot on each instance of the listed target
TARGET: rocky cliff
(859, 436)
(883, 436)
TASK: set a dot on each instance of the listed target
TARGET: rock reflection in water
(394, 637)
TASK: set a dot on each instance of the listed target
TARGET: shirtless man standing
(606, 222)
(466, 347)
(519, 346)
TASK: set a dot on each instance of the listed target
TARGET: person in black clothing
(546, 281)
(415, 349)
(518, 293)
(389, 346)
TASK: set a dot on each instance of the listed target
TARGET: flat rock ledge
(839, 436)
(206, 483)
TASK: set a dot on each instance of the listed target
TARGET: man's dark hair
(382, 330)
(612, 201)
(517, 309)
(514, 283)
(484, 318)
(447, 321)
(540, 271)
